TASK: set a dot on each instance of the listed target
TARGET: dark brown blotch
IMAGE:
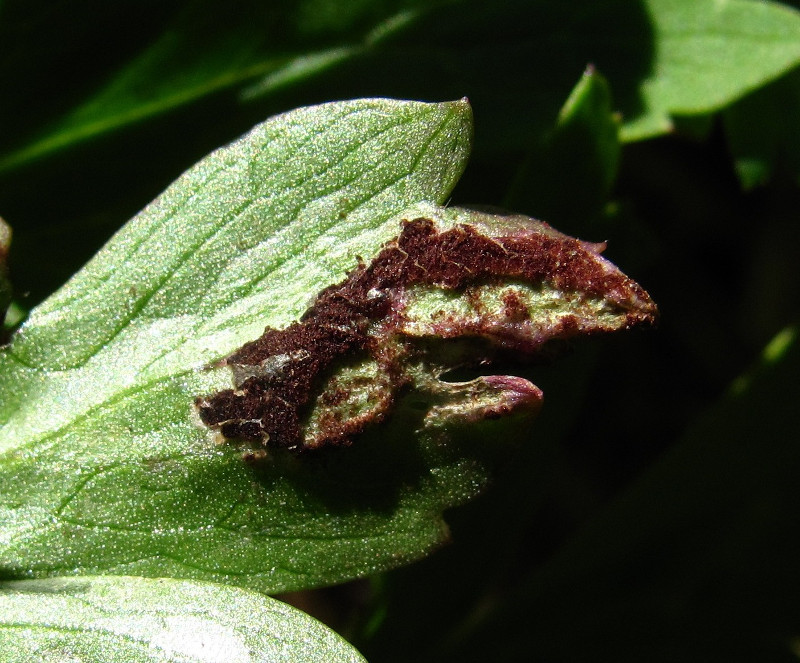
(271, 407)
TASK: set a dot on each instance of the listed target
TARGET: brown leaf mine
(449, 291)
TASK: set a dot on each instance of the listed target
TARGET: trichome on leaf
(454, 288)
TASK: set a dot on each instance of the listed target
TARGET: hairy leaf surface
(105, 466)
(129, 619)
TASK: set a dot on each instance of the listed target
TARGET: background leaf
(186, 78)
(203, 49)
(763, 143)
(568, 178)
(710, 53)
(138, 619)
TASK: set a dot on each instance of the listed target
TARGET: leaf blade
(135, 394)
(708, 54)
(139, 619)
(201, 51)
(104, 468)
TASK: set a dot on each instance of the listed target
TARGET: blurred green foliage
(653, 513)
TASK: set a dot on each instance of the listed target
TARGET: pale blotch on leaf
(455, 288)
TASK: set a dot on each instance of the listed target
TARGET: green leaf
(662, 57)
(762, 134)
(204, 49)
(104, 467)
(129, 619)
(568, 179)
(116, 476)
(709, 53)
